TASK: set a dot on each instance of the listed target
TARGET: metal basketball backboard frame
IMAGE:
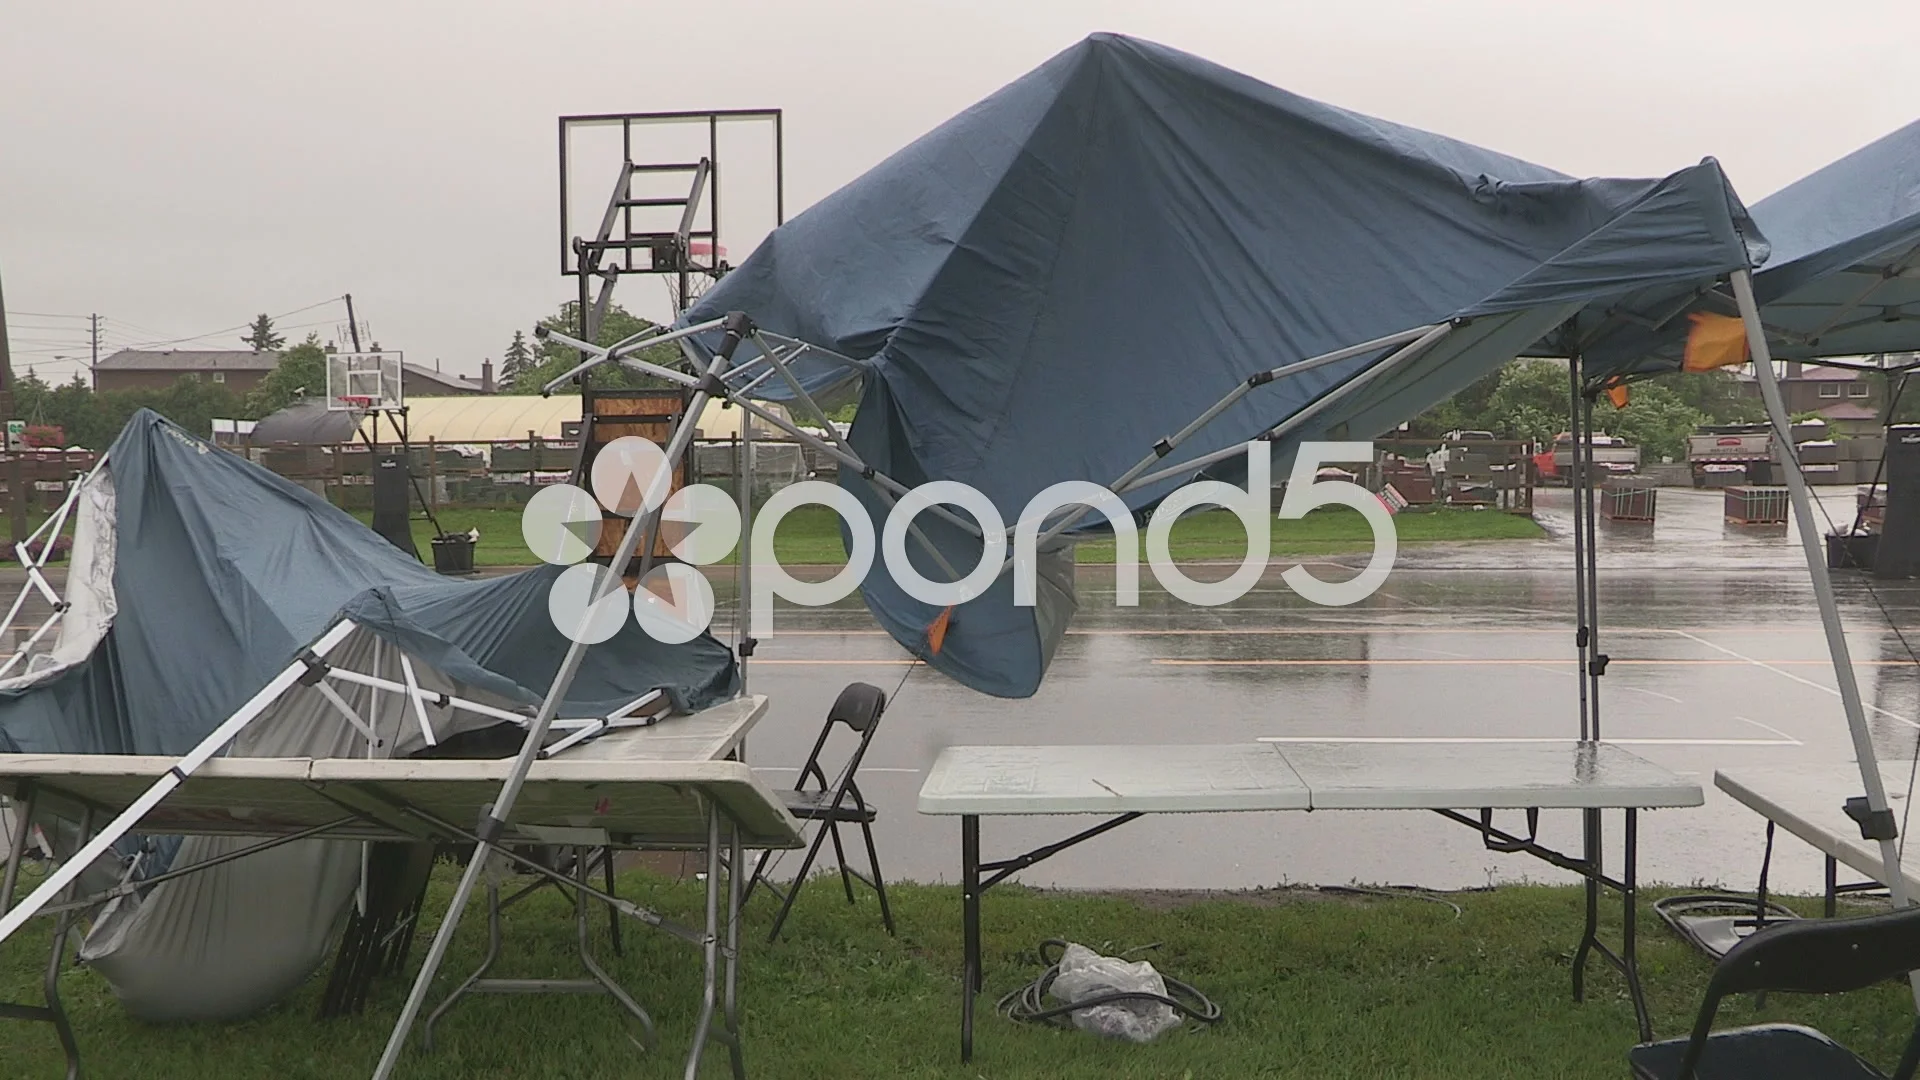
(369, 381)
(667, 204)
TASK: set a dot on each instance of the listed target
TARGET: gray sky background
(180, 167)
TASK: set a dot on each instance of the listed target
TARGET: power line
(232, 329)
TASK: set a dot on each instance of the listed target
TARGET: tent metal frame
(36, 565)
(59, 893)
(736, 327)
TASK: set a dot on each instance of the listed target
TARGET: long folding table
(670, 785)
(1808, 801)
(1126, 782)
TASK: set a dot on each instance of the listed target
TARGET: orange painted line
(1535, 662)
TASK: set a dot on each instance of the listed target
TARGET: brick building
(140, 369)
(240, 370)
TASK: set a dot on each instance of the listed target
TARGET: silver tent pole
(1878, 824)
(497, 815)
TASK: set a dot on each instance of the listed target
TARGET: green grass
(1312, 987)
(811, 535)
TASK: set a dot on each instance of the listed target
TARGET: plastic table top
(1018, 780)
(1806, 801)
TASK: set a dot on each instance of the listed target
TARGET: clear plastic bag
(1085, 974)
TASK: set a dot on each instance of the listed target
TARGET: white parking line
(1788, 674)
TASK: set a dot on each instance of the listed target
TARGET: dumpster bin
(453, 553)
(1851, 551)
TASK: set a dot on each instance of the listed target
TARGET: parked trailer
(1743, 445)
(1612, 457)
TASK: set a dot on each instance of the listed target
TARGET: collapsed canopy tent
(196, 579)
(1050, 284)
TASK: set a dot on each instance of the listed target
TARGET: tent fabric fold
(196, 578)
(1048, 283)
(223, 572)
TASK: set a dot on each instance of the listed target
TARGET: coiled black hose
(1028, 1005)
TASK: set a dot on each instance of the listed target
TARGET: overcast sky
(180, 167)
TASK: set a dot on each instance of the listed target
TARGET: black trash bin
(1851, 551)
(453, 554)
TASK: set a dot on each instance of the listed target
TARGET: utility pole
(353, 327)
(93, 335)
(16, 496)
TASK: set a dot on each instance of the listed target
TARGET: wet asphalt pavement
(1718, 662)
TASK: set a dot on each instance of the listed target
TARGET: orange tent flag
(1715, 341)
(937, 631)
(1617, 393)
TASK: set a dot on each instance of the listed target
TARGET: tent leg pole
(494, 821)
(1596, 660)
(1574, 475)
(1876, 790)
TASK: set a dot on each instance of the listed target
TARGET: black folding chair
(830, 804)
(1806, 956)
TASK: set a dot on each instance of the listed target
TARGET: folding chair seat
(830, 804)
(1808, 956)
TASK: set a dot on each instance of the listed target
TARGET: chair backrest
(859, 707)
(1822, 956)
(1814, 956)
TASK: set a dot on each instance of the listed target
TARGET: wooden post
(433, 476)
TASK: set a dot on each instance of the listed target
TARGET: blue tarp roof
(225, 571)
(1048, 283)
(1843, 278)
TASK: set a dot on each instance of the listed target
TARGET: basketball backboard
(364, 381)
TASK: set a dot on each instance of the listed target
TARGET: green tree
(554, 359)
(1529, 402)
(1465, 410)
(1717, 395)
(301, 373)
(261, 336)
(517, 359)
(1658, 418)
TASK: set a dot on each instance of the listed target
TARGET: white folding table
(971, 782)
(1806, 801)
(668, 785)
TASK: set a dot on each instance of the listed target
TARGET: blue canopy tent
(1047, 286)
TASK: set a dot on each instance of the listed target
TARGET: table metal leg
(970, 979)
(613, 913)
(486, 962)
(1760, 891)
(1832, 905)
(1589, 936)
(730, 1000)
(17, 847)
(1629, 954)
(712, 948)
(53, 1011)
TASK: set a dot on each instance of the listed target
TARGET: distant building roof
(1847, 410)
(488, 418)
(189, 360)
(459, 383)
